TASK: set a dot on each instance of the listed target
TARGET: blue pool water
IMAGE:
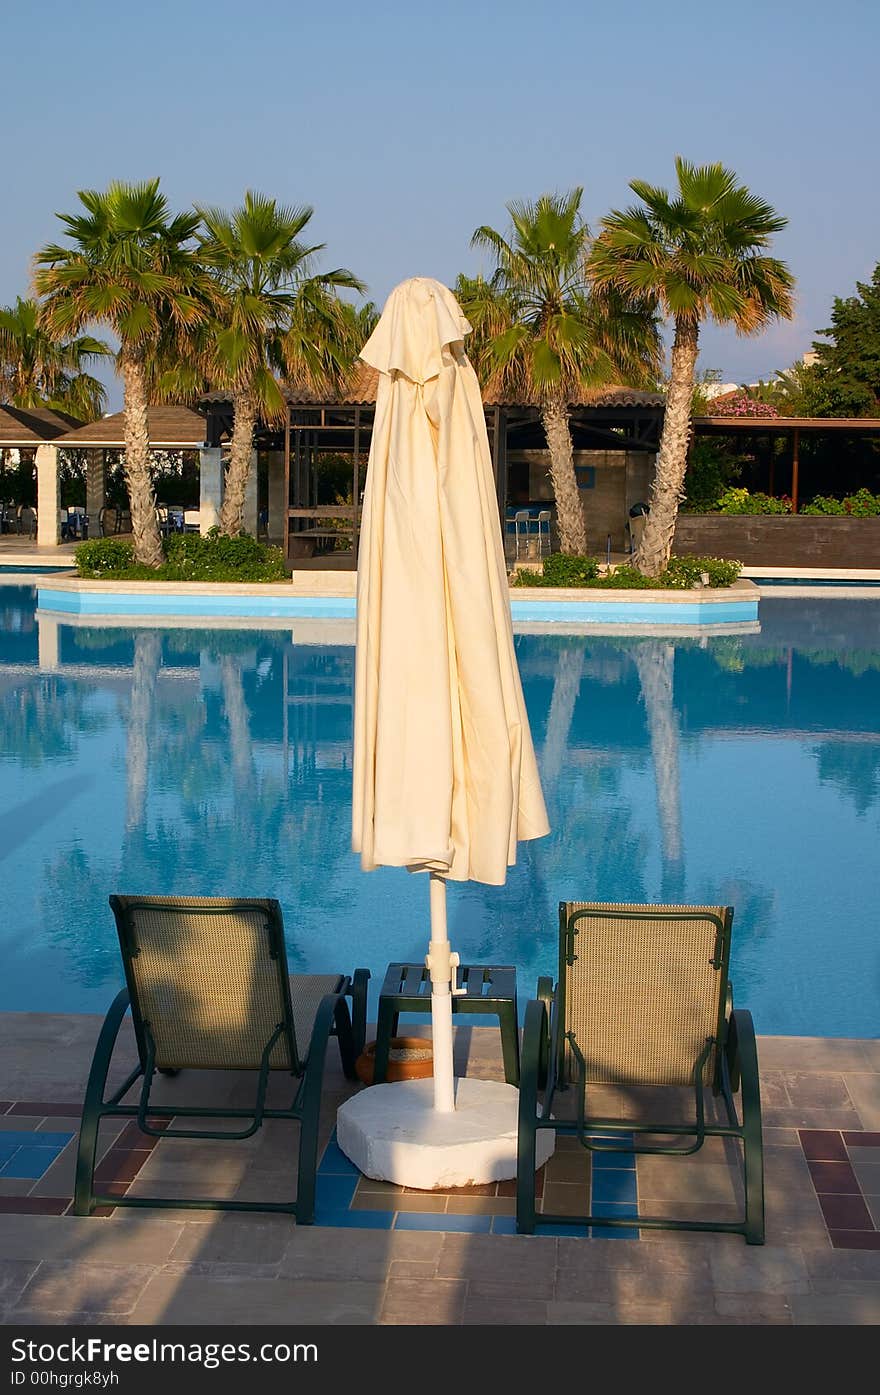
(743, 769)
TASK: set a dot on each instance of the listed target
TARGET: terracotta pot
(409, 1058)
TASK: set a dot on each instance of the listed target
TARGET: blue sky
(407, 125)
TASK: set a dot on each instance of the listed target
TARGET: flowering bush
(741, 501)
(739, 404)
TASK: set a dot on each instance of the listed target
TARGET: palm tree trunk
(238, 469)
(655, 548)
(655, 661)
(142, 499)
(569, 510)
(144, 675)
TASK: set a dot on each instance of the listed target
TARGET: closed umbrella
(445, 777)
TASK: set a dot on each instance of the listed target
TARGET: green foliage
(697, 253)
(104, 557)
(681, 574)
(862, 504)
(39, 371)
(849, 366)
(561, 569)
(538, 326)
(711, 469)
(740, 501)
(188, 557)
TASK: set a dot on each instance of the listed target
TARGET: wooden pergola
(792, 429)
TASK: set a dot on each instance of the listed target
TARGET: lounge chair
(643, 999)
(208, 987)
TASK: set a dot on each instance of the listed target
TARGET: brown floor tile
(482, 1206)
(433, 1203)
(33, 1205)
(845, 1212)
(859, 1139)
(384, 1189)
(823, 1145)
(565, 1199)
(482, 1189)
(39, 1109)
(855, 1239)
(120, 1165)
(571, 1167)
(834, 1177)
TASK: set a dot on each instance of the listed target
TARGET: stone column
(96, 487)
(48, 496)
(277, 501)
(210, 486)
(249, 518)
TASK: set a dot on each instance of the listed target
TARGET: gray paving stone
(84, 1287)
(232, 1240)
(221, 1300)
(14, 1275)
(89, 1239)
(423, 1302)
(524, 1261)
(851, 1309)
(759, 1269)
(321, 1253)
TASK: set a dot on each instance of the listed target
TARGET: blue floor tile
(615, 1185)
(440, 1220)
(577, 1231)
(29, 1162)
(7, 1150)
(504, 1225)
(49, 1140)
(609, 1208)
(335, 1164)
(335, 1192)
(354, 1220)
(613, 1162)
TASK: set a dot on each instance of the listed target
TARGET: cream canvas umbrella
(445, 778)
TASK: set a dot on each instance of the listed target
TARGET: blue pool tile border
(604, 612)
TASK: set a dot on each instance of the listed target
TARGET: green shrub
(188, 557)
(740, 501)
(561, 569)
(688, 571)
(104, 557)
(862, 504)
(583, 572)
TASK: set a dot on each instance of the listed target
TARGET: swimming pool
(741, 769)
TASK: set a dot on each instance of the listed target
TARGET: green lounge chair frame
(279, 1051)
(728, 1061)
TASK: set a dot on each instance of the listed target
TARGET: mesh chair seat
(306, 992)
(644, 989)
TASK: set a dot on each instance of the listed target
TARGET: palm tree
(697, 255)
(542, 332)
(277, 319)
(38, 371)
(133, 267)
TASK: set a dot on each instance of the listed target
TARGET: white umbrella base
(394, 1133)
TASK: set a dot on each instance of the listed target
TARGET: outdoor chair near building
(208, 988)
(27, 521)
(642, 999)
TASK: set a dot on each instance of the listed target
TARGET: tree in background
(39, 371)
(697, 254)
(132, 266)
(277, 320)
(848, 370)
(541, 332)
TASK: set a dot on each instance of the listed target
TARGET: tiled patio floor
(381, 1254)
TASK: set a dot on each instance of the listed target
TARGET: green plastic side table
(489, 988)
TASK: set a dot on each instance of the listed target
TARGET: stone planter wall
(781, 540)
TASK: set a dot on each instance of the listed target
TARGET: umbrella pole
(440, 963)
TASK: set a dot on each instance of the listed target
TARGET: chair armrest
(358, 993)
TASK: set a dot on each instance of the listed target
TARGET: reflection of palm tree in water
(655, 661)
(566, 686)
(144, 674)
(238, 723)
